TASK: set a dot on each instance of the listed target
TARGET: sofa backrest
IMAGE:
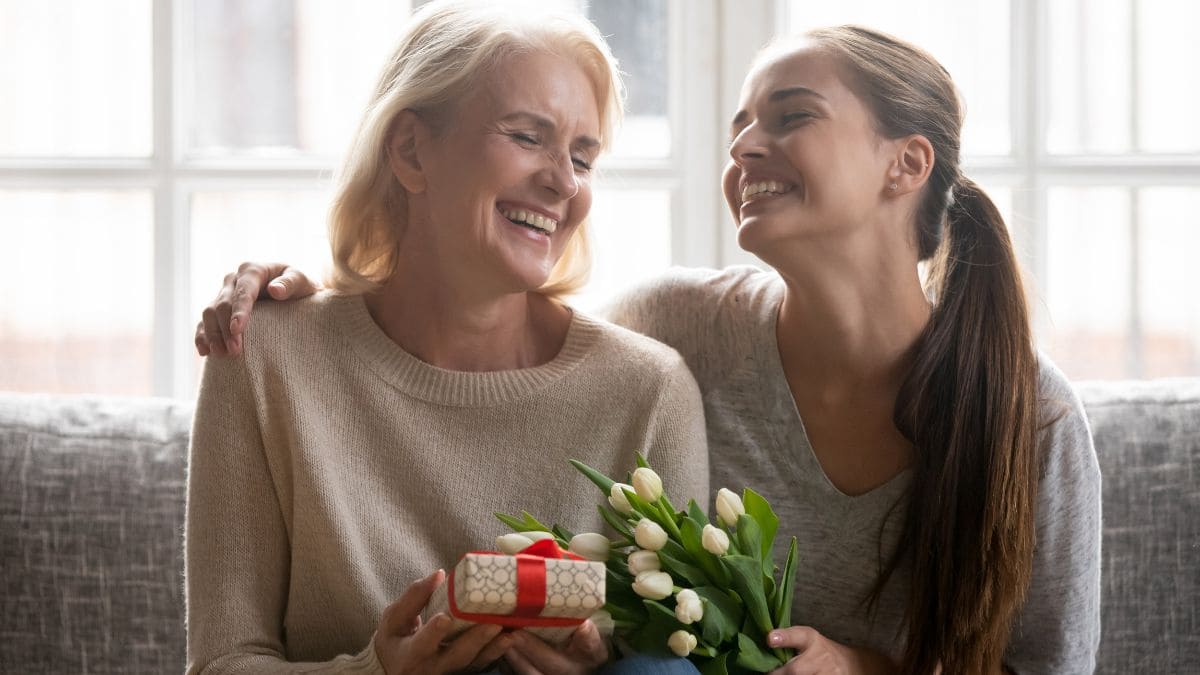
(91, 520)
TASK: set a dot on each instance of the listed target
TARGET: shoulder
(624, 349)
(296, 327)
(1071, 469)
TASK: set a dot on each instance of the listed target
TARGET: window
(148, 146)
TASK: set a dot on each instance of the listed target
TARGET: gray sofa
(91, 517)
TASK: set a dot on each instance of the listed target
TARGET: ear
(912, 165)
(407, 134)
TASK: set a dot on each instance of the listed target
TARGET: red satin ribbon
(531, 589)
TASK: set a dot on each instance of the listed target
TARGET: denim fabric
(640, 664)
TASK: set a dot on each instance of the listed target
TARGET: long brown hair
(969, 403)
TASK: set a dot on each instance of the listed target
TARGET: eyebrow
(775, 97)
(547, 124)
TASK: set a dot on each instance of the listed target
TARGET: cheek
(581, 203)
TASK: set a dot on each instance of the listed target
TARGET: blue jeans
(640, 664)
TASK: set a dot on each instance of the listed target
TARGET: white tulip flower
(715, 540)
(650, 535)
(688, 608)
(538, 535)
(590, 545)
(654, 585)
(681, 642)
(729, 507)
(647, 484)
(513, 543)
(618, 500)
(643, 561)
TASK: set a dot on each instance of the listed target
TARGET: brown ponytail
(969, 403)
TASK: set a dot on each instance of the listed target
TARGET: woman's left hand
(818, 655)
(585, 652)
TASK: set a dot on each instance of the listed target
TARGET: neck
(455, 327)
(850, 318)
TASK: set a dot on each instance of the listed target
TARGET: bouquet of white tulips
(677, 582)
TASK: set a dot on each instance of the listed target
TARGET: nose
(559, 175)
(749, 143)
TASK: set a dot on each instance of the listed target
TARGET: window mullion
(165, 237)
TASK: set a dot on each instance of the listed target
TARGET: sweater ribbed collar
(421, 380)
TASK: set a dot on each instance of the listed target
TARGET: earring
(893, 186)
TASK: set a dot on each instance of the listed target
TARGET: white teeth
(774, 187)
(548, 225)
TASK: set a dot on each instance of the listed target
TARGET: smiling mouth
(534, 221)
(767, 188)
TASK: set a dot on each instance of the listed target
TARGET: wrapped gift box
(542, 589)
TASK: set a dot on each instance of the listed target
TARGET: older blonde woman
(371, 430)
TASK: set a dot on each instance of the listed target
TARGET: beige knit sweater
(329, 469)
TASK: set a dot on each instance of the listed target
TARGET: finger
(586, 645)
(462, 650)
(491, 652)
(292, 284)
(201, 342)
(427, 641)
(519, 663)
(799, 638)
(399, 617)
(543, 657)
(223, 311)
(245, 292)
(212, 333)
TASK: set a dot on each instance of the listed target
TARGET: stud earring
(893, 186)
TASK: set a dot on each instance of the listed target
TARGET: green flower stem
(668, 515)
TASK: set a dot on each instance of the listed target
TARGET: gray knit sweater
(329, 469)
(723, 323)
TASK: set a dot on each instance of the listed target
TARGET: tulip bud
(681, 642)
(715, 540)
(537, 535)
(618, 500)
(729, 507)
(513, 543)
(647, 484)
(654, 585)
(643, 561)
(604, 622)
(590, 545)
(650, 535)
(688, 608)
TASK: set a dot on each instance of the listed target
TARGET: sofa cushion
(1147, 437)
(91, 517)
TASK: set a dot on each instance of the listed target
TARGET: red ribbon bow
(531, 589)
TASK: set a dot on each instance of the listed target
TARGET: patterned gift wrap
(536, 590)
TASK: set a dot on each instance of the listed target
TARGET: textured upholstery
(91, 514)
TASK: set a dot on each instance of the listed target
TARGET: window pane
(284, 77)
(75, 77)
(631, 242)
(969, 37)
(1095, 105)
(1169, 298)
(77, 278)
(1090, 275)
(638, 35)
(229, 228)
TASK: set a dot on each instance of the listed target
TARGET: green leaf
(603, 482)
(652, 637)
(615, 521)
(755, 658)
(696, 513)
(768, 523)
(627, 612)
(641, 461)
(746, 573)
(749, 537)
(787, 588)
(563, 533)
(723, 614)
(716, 666)
(532, 523)
(526, 523)
(681, 570)
(692, 537)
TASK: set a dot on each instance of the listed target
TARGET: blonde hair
(444, 52)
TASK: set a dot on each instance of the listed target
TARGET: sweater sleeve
(676, 442)
(236, 541)
(1058, 628)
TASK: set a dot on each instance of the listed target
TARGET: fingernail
(774, 639)
(235, 322)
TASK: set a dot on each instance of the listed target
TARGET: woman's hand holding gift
(404, 644)
(585, 652)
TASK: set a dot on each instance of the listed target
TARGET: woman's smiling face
(507, 180)
(805, 157)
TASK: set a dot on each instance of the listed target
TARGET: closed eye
(792, 117)
(523, 138)
(581, 164)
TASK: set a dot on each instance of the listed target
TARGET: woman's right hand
(224, 320)
(406, 645)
